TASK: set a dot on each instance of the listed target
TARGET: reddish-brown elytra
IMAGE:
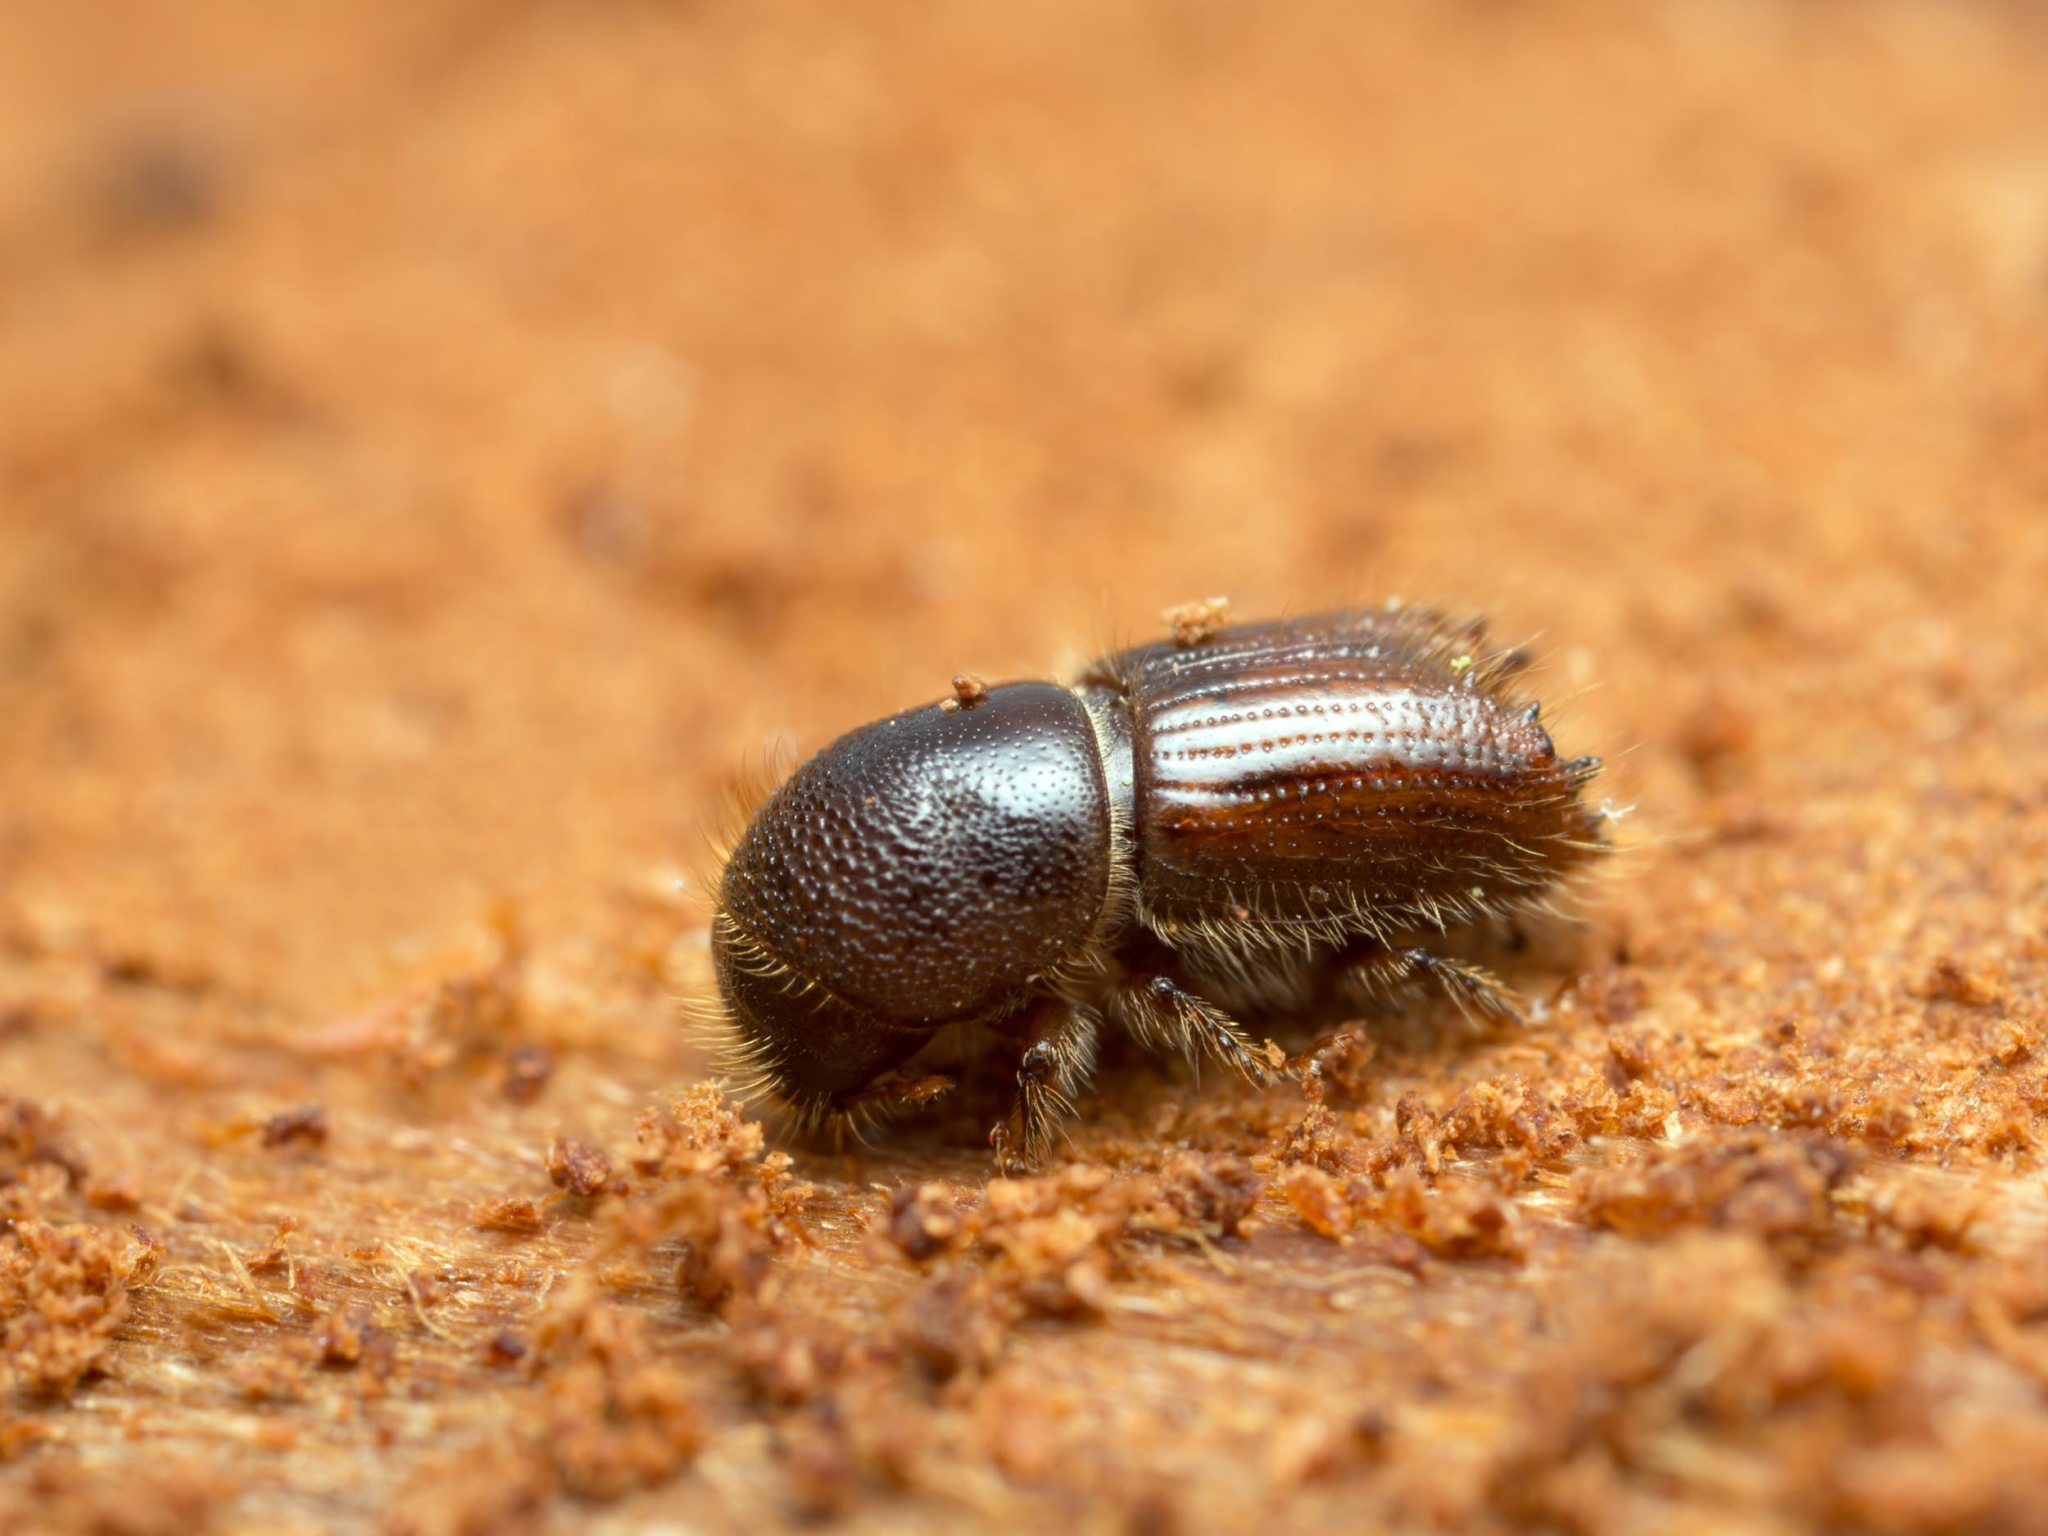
(1195, 828)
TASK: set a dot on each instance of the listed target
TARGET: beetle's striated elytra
(1195, 828)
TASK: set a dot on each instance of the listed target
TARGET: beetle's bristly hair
(754, 1074)
(740, 798)
(1240, 948)
(751, 1074)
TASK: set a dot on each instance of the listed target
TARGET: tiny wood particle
(1193, 830)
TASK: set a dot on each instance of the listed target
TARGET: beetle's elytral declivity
(1193, 829)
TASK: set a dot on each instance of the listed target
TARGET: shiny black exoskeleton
(1193, 824)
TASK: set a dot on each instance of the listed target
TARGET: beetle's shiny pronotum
(1195, 828)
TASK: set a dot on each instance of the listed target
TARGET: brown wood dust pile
(442, 446)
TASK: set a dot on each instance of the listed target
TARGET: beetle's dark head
(931, 869)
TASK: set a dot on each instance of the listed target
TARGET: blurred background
(441, 444)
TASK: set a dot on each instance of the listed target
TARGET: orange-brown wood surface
(446, 448)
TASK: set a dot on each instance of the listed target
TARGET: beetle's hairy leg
(1056, 1065)
(1163, 1015)
(854, 1117)
(900, 1092)
(1477, 992)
